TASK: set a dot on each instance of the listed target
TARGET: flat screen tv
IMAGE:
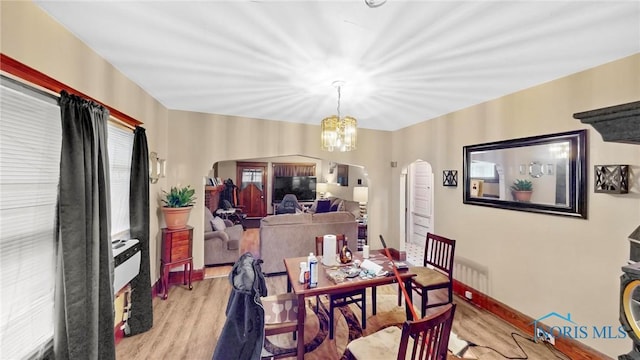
(303, 187)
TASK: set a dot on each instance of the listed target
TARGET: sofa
(221, 240)
(333, 203)
(293, 235)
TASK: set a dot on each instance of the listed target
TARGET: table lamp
(361, 195)
(321, 188)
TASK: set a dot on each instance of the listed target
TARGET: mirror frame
(577, 196)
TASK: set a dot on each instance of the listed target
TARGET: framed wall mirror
(544, 174)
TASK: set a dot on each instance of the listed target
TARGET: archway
(333, 185)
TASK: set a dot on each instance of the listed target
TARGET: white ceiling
(403, 62)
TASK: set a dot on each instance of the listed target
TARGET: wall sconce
(612, 179)
(449, 177)
(361, 195)
(157, 167)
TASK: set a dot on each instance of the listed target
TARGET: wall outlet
(543, 336)
(468, 294)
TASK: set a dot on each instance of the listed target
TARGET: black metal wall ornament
(449, 177)
(611, 179)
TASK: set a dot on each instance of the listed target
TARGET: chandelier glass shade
(338, 133)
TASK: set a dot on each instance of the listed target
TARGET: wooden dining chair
(358, 297)
(281, 317)
(426, 338)
(436, 272)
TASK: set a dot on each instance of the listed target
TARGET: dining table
(329, 284)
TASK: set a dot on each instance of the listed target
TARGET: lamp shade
(321, 187)
(361, 194)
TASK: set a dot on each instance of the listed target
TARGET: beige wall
(537, 263)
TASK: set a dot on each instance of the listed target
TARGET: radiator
(471, 274)
(126, 262)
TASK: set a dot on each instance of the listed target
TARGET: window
(483, 170)
(120, 145)
(30, 140)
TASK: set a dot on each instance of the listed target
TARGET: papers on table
(372, 267)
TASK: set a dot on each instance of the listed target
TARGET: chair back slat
(430, 336)
(439, 253)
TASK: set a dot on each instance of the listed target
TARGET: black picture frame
(450, 178)
(565, 190)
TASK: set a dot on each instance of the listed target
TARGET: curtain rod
(31, 75)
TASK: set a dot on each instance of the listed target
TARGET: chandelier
(374, 3)
(338, 133)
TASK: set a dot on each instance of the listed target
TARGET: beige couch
(339, 204)
(293, 235)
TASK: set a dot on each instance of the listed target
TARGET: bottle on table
(313, 270)
(345, 253)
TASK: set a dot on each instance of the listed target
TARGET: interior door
(252, 180)
(421, 202)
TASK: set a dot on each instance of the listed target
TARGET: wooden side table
(177, 249)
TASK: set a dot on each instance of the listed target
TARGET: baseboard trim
(571, 347)
(275, 274)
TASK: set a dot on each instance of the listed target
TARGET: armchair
(289, 205)
(221, 246)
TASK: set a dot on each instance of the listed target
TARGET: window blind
(30, 139)
(120, 146)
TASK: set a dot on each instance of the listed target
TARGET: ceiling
(403, 62)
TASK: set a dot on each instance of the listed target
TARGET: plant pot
(176, 218)
(524, 196)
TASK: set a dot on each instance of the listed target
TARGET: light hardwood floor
(188, 324)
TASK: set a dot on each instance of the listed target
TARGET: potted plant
(522, 189)
(178, 203)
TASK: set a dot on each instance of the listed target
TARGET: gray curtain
(84, 312)
(294, 169)
(141, 318)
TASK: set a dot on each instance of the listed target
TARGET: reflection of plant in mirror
(522, 185)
